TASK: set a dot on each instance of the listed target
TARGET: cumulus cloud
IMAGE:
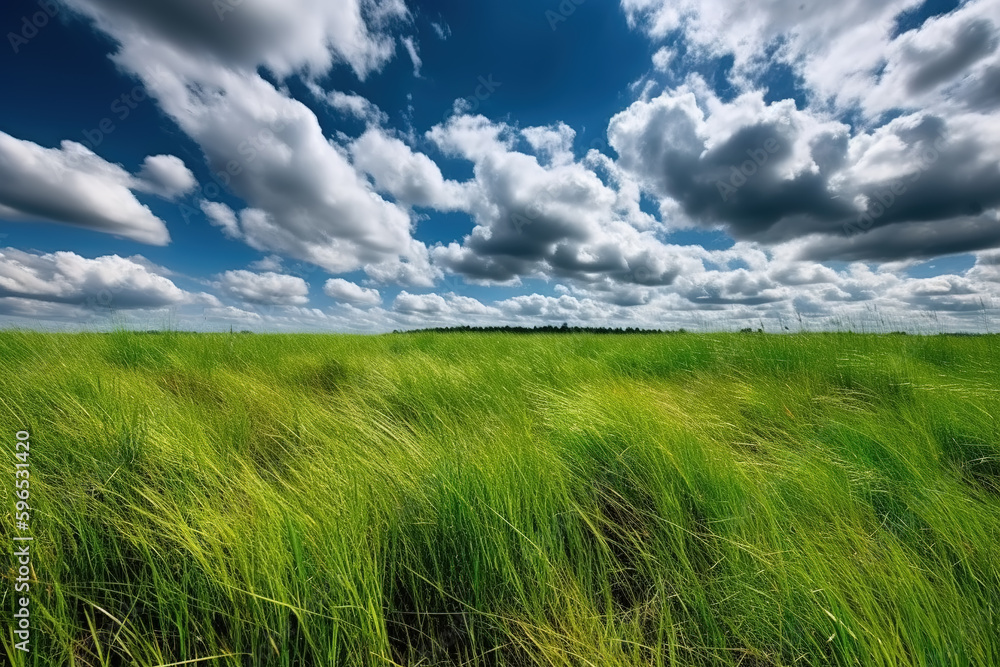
(266, 288)
(948, 62)
(348, 292)
(304, 198)
(282, 36)
(414, 267)
(553, 143)
(271, 263)
(448, 307)
(663, 58)
(73, 186)
(166, 176)
(831, 45)
(409, 177)
(848, 54)
(746, 285)
(420, 304)
(745, 164)
(919, 185)
(41, 314)
(915, 178)
(472, 137)
(557, 218)
(232, 313)
(565, 307)
(108, 281)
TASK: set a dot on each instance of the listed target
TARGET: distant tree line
(564, 329)
(544, 329)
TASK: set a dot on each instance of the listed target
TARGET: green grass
(473, 499)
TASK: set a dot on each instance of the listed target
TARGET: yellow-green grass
(481, 499)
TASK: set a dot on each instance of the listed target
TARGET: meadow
(490, 499)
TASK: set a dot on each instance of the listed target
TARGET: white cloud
(951, 61)
(829, 43)
(663, 58)
(414, 268)
(554, 219)
(450, 307)
(471, 137)
(166, 176)
(411, 49)
(348, 292)
(304, 199)
(232, 313)
(41, 315)
(221, 216)
(442, 30)
(746, 286)
(773, 173)
(73, 186)
(410, 178)
(108, 282)
(554, 143)
(421, 304)
(846, 53)
(270, 263)
(539, 307)
(265, 288)
(350, 104)
(283, 36)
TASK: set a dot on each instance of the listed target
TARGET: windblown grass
(468, 499)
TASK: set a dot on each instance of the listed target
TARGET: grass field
(471, 499)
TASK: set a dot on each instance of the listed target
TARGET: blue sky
(349, 166)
